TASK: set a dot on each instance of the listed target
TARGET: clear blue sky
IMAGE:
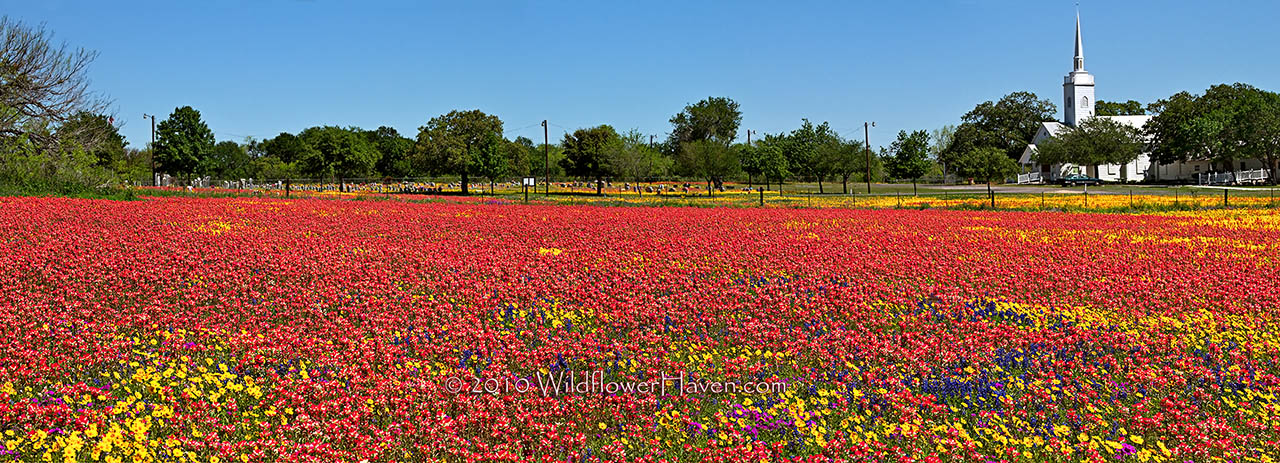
(257, 68)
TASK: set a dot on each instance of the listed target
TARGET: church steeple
(1077, 87)
(1079, 62)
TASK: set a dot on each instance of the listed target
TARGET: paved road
(1025, 189)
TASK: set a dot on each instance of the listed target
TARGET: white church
(1078, 98)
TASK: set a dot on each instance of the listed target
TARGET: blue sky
(257, 68)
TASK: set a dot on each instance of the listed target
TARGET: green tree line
(55, 132)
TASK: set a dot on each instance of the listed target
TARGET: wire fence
(685, 192)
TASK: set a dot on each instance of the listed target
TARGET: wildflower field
(264, 329)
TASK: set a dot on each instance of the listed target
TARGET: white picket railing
(1241, 177)
(1031, 177)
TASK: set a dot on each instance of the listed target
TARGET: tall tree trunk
(599, 187)
(914, 192)
(844, 184)
(819, 185)
(708, 187)
(464, 179)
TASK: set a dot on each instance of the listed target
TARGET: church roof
(1047, 130)
(1132, 121)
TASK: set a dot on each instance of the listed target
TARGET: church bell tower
(1077, 87)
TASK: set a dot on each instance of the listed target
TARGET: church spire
(1079, 61)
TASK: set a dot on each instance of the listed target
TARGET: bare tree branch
(42, 86)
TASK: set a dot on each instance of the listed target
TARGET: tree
(909, 156)
(1095, 142)
(395, 151)
(772, 163)
(491, 160)
(447, 143)
(713, 118)
(1256, 128)
(521, 156)
(337, 153)
(1008, 124)
(801, 149)
(1110, 108)
(43, 86)
(710, 160)
(585, 152)
(548, 158)
(1226, 123)
(987, 165)
(831, 157)
(632, 158)
(228, 160)
(939, 141)
(537, 160)
(1172, 133)
(748, 158)
(96, 135)
(287, 148)
(183, 141)
(270, 167)
(851, 161)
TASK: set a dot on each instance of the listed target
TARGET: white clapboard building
(1078, 100)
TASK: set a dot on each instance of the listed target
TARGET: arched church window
(1084, 102)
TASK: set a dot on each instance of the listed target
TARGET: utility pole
(650, 156)
(152, 147)
(546, 153)
(866, 132)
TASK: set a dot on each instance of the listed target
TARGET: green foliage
(842, 158)
(287, 148)
(939, 140)
(632, 158)
(1226, 123)
(395, 151)
(801, 149)
(447, 144)
(765, 159)
(772, 163)
(337, 153)
(987, 165)
(909, 155)
(713, 118)
(1110, 108)
(586, 152)
(1256, 127)
(271, 167)
(183, 141)
(228, 160)
(1008, 124)
(1096, 141)
(521, 156)
(491, 160)
(95, 134)
(710, 160)
(28, 169)
(538, 160)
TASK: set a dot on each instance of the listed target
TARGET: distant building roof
(1133, 121)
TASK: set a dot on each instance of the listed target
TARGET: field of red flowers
(242, 329)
